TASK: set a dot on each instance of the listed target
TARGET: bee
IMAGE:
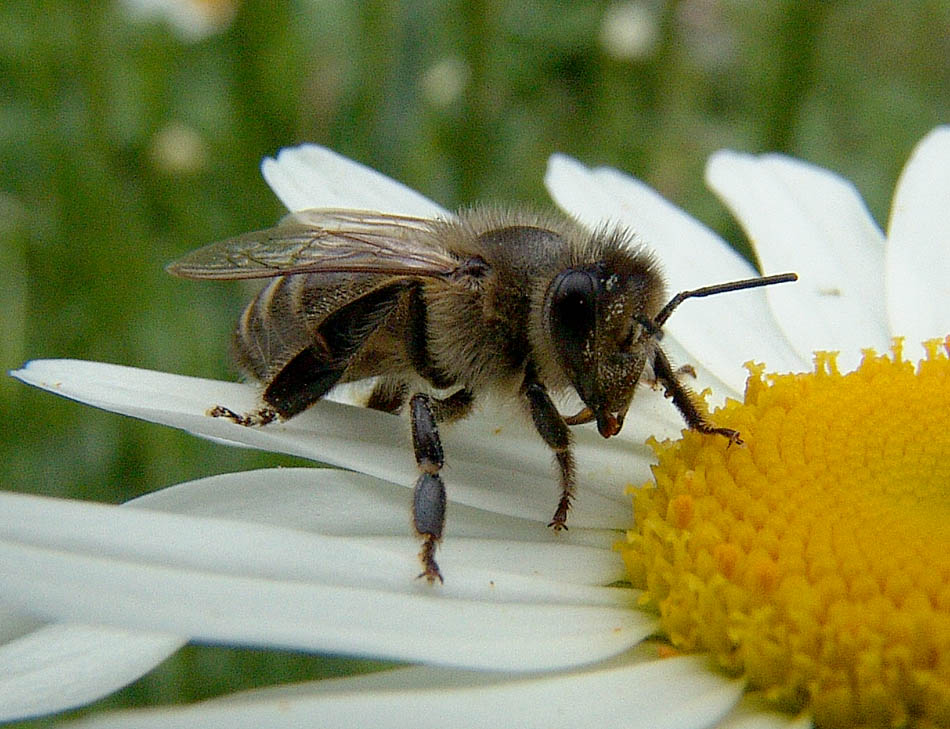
(508, 300)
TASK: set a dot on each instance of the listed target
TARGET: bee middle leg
(553, 429)
(388, 396)
(428, 498)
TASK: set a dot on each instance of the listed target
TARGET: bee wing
(324, 241)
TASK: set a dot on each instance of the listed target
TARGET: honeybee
(493, 299)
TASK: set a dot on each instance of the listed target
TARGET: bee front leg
(553, 429)
(428, 498)
(682, 399)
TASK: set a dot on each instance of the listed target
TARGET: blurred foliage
(123, 144)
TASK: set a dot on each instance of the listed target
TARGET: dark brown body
(481, 328)
(491, 300)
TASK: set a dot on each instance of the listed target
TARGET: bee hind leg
(312, 371)
(300, 383)
(263, 416)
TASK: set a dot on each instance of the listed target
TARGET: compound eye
(573, 306)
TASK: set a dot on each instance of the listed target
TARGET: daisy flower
(800, 578)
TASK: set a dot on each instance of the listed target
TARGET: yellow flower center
(814, 559)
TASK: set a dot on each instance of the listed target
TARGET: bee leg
(682, 399)
(553, 430)
(417, 341)
(263, 416)
(686, 369)
(454, 407)
(302, 381)
(338, 339)
(428, 499)
(388, 396)
(681, 371)
(310, 374)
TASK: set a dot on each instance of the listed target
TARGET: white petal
(805, 219)
(371, 513)
(720, 332)
(602, 195)
(251, 584)
(494, 461)
(677, 692)
(918, 243)
(310, 176)
(15, 624)
(58, 667)
(752, 713)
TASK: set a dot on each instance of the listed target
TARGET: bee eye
(573, 305)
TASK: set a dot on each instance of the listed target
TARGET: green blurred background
(126, 141)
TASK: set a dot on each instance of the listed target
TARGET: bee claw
(430, 570)
(733, 436)
(559, 522)
(248, 420)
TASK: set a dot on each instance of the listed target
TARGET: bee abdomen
(272, 330)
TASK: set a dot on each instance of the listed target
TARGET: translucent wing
(324, 241)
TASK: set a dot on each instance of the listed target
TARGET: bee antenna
(747, 283)
(650, 327)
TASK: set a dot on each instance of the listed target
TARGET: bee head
(599, 316)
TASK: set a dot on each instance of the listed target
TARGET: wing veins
(324, 241)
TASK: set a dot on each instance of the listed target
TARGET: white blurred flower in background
(192, 20)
